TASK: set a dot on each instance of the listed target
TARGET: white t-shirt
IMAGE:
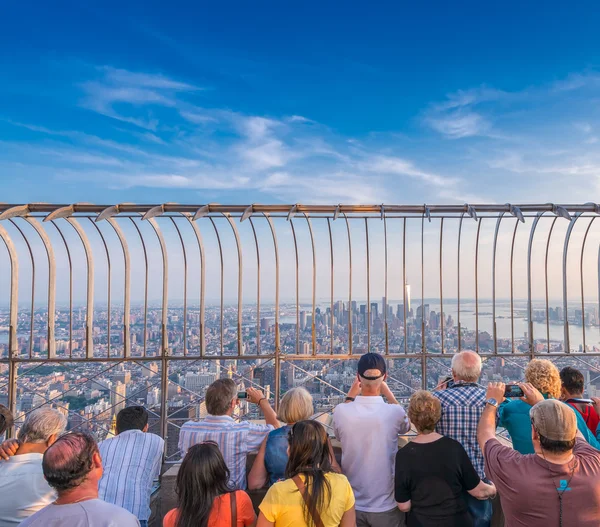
(368, 429)
(23, 489)
(89, 513)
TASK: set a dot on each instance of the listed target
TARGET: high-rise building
(117, 397)
(150, 370)
(374, 313)
(407, 293)
(302, 320)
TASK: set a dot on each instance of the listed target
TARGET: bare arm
(486, 429)
(387, 393)
(349, 518)
(404, 506)
(354, 390)
(263, 522)
(257, 397)
(258, 476)
(334, 464)
(483, 491)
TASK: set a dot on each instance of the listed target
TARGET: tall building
(302, 320)
(374, 312)
(117, 397)
(407, 293)
(150, 370)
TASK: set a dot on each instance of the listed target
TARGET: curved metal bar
(127, 289)
(222, 278)
(501, 215)
(331, 256)
(512, 298)
(108, 322)
(462, 216)
(13, 350)
(165, 289)
(368, 286)
(51, 282)
(350, 310)
(529, 299)
(185, 279)
(32, 314)
(423, 347)
(258, 288)
(276, 248)
(546, 283)
(582, 289)
(240, 307)
(477, 286)
(70, 287)
(404, 285)
(314, 285)
(441, 285)
(385, 306)
(145, 339)
(200, 241)
(565, 293)
(89, 310)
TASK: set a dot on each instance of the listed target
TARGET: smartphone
(513, 391)
(242, 395)
(582, 401)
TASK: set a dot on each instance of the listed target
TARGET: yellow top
(284, 505)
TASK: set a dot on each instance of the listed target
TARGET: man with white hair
(22, 483)
(463, 403)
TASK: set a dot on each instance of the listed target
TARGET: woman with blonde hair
(269, 465)
(513, 414)
(433, 472)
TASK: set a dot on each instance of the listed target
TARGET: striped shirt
(462, 406)
(131, 462)
(235, 440)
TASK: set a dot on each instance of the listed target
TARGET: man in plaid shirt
(463, 403)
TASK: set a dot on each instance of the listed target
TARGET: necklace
(563, 488)
(77, 501)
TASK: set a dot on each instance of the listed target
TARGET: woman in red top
(204, 498)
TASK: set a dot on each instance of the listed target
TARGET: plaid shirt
(235, 440)
(462, 406)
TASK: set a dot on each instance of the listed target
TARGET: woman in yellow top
(312, 495)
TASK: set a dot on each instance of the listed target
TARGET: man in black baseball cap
(368, 429)
(371, 367)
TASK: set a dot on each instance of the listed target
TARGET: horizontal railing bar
(312, 209)
(290, 357)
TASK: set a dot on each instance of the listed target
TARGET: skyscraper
(407, 291)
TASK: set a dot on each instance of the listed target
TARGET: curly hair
(424, 411)
(544, 375)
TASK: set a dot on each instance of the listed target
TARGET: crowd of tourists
(451, 474)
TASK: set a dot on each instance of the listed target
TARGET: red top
(589, 414)
(220, 516)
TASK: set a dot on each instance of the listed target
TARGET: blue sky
(273, 101)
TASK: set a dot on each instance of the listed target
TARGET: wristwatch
(492, 402)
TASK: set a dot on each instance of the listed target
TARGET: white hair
(466, 366)
(41, 424)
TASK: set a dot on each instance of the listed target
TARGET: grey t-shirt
(90, 513)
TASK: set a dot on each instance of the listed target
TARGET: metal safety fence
(104, 306)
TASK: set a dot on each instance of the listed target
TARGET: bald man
(73, 467)
(462, 405)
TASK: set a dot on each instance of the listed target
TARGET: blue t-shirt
(276, 456)
(514, 416)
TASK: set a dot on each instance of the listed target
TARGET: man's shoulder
(114, 512)
(461, 395)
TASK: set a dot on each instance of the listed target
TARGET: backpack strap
(233, 504)
(302, 488)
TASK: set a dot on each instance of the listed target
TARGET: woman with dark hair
(204, 498)
(312, 495)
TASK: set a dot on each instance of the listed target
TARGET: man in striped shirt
(235, 440)
(132, 462)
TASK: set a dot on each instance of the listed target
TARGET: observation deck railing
(90, 274)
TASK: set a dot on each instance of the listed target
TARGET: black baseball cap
(371, 361)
